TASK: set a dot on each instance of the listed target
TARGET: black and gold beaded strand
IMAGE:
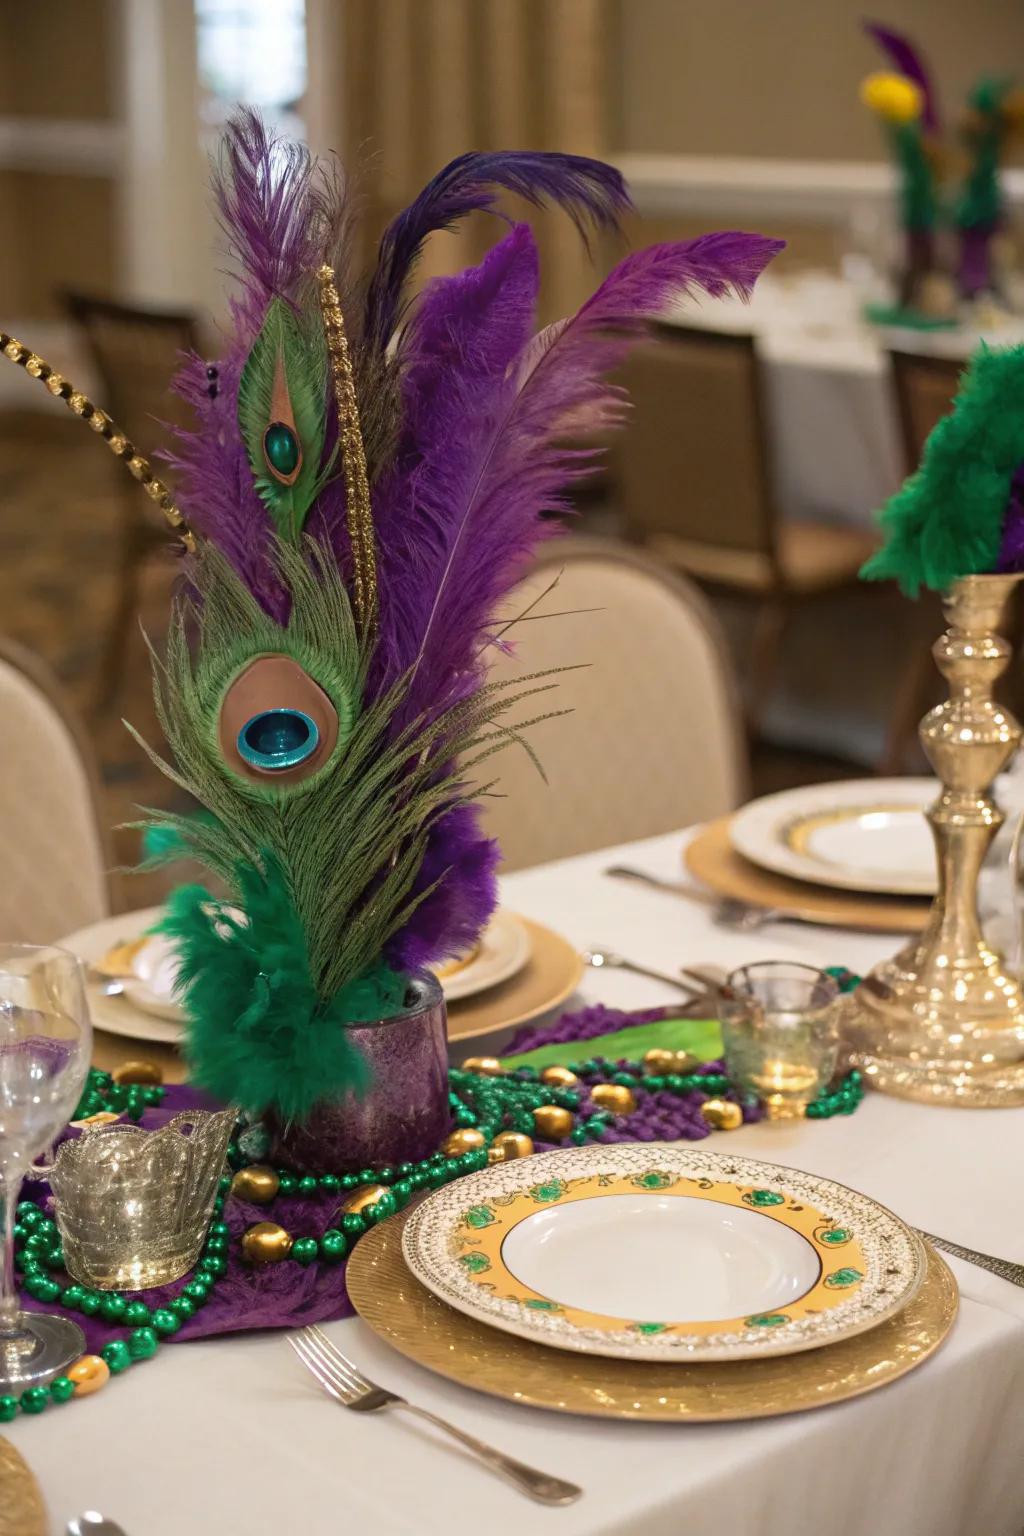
(80, 405)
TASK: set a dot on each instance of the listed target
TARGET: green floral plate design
(869, 1264)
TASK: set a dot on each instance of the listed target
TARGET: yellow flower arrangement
(892, 97)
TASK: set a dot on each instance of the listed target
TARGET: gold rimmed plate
(662, 1251)
(859, 835)
(402, 1312)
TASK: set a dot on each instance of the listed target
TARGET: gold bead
(512, 1144)
(684, 1062)
(559, 1077)
(614, 1096)
(466, 1140)
(658, 1062)
(89, 1373)
(495, 1155)
(721, 1114)
(361, 1200)
(483, 1066)
(552, 1123)
(256, 1184)
(266, 1243)
(138, 1072)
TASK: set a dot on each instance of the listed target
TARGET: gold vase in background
(943, 1021)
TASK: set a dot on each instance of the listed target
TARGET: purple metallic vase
(404, 1114)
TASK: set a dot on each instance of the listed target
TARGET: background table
(836, 453)
(232, 1436)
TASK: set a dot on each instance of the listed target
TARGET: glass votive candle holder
(780, 1034)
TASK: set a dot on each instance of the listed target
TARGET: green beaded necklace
(484, 1103)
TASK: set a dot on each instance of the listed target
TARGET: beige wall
(59, 62)
(780, 77)
(59, 58)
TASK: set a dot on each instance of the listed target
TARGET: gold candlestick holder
(942, 1021)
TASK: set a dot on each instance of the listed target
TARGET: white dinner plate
(120, 1014)
(503, 950)
(146, 1009)
(858, 834)
(660, 1251)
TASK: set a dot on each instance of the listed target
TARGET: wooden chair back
(693, 461)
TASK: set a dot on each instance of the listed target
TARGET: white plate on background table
(659, 1251)
(146, 1009)
(858, 834)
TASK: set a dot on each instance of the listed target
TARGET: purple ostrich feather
(591, 192)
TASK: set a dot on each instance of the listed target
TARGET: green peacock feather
(323, 870)
(282, 413)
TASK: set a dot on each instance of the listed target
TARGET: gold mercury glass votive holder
(133, 1206)
(780, 1034)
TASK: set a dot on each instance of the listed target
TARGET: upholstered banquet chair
(924, 387)
(135, 353)
(654, 740)
(53, 853)
(693, 469)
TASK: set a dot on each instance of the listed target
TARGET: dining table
(231, 1437)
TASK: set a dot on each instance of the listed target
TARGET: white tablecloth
(836, 452)
(231, 1438)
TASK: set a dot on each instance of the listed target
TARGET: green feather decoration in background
(282, 413)
(947, 519)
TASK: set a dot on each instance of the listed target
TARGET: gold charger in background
(550, 975)
(22, 1511)
(713, 860)
(407, 1316)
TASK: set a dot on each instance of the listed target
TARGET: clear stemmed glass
(45, 1040)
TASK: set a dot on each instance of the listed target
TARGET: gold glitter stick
(100, 422)
(353, 455)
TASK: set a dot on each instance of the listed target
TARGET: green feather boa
(947, 520)
(259, 1035)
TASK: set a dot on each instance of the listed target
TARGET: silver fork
(342, 1381)
(727, 911)
(1006, 1269)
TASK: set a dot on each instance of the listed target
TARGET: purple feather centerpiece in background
(366, 483)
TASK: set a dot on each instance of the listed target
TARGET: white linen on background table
(835, 447)
(230, 1437)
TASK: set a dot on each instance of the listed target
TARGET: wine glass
(45, 1039)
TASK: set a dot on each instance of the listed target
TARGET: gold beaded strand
(80, 405)
(358, 509)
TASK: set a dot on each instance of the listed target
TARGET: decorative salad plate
(658, 1251)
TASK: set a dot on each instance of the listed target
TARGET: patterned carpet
(61, 501)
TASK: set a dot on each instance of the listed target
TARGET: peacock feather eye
(278, 738)
(276, 723)
(282, 451)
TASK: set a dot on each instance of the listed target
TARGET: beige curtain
(425, 80)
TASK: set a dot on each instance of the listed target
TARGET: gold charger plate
(711, 857)
(550, 975)
(409, 1318)
(22, 1511)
